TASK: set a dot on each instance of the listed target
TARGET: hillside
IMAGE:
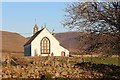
(12, 42)
(85, 43)
(73, 41)
(69, 40)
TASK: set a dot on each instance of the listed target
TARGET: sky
(20, 17)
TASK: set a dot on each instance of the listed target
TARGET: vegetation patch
(108, 71)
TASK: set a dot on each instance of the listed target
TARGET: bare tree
(93, 16)
(100, 17)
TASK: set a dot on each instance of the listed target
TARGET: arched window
(45, 46)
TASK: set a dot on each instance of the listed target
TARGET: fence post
(9, 59)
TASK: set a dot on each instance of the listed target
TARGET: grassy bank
(104, 60)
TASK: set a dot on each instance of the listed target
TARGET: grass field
(104, 60)
(98, 60)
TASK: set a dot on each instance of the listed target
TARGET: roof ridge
(33, 37)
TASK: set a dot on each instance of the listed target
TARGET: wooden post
(9, 59)
(82, 58)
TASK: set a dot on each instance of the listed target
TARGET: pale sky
(20, 16)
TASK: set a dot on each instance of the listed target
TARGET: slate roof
(33, 37)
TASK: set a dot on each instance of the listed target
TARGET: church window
(45, 46)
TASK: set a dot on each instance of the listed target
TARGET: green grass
(104, 60)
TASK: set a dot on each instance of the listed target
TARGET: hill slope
(69, 40)
(12, 42)
(73, 41)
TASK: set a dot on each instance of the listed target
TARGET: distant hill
(86, 43)
(73, 41)
(69, 40)
(12, 42)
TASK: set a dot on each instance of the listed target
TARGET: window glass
(45, 46)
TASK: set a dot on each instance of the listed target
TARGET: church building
(43, 43)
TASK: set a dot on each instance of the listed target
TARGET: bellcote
(35, 29)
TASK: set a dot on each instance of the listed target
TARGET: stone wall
(38, 67)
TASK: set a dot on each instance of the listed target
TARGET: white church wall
(65, 50)
(55, 48)
(36, 42)
(35, 47)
